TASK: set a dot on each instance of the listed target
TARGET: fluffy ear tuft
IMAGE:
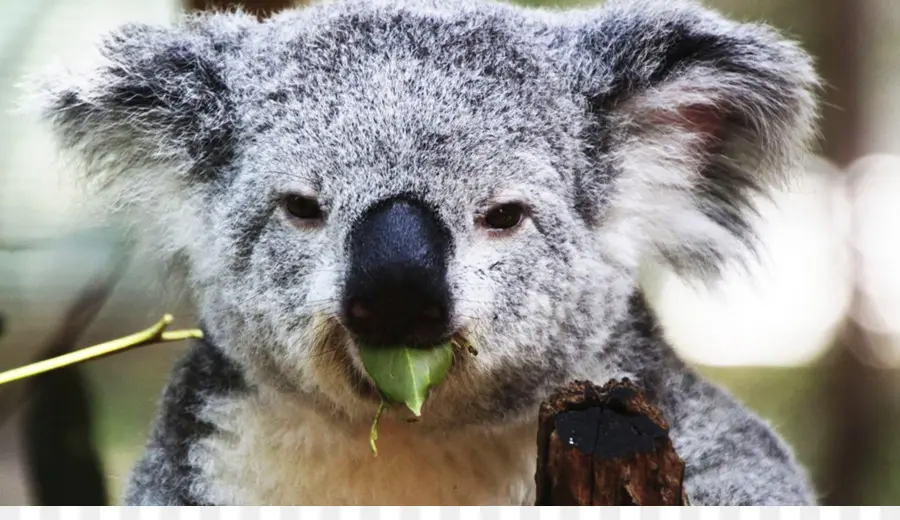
(155, 97)
(148, 121)
(694, 117)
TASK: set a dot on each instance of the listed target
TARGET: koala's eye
(505, 216)
(303, 208)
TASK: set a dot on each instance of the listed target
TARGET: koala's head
(403, 172)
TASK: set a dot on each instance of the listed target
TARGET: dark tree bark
(605, 447)
(854, 392)
(63, 465)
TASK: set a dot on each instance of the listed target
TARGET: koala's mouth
(365, 387)
(339, 361)
(334, 356)
(361, 384)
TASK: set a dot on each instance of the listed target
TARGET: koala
(388, 172)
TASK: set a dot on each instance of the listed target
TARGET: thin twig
(79, 316)
(153, 335)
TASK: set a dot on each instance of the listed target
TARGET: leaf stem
(373, 433)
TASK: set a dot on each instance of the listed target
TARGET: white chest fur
(283, 454)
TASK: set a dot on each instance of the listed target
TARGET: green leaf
(404, 375)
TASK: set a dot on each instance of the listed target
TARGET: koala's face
(407, 191)
(412, 173)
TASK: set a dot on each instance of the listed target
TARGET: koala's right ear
(152, 111)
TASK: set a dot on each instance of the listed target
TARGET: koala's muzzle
(396, 290)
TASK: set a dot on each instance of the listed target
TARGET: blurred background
(810, 340)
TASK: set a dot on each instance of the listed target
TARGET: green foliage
(404, 375)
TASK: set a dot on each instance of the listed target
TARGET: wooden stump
(261, 8)
(605, 447)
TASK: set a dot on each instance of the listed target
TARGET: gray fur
(635, 131)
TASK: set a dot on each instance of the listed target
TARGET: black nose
(396, 290)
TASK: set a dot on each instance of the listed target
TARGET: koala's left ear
(154, 97)
(149, 121)
(693, 116)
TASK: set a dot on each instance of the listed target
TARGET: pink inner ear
(705, 121)
(702, 119)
